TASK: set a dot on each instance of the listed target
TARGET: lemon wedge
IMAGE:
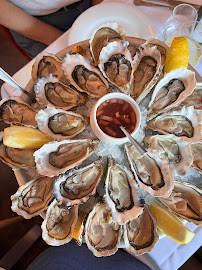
(178, 54)
(24, 137)
(170, 225)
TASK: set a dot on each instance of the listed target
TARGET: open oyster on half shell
(59, 223)
(195, 99)
(121, 193)
(185, 201)
(102, 234)
(140, 234)
(78, 185)
(196, 149)
(55, 158)
(59, 124)
(151, 173)
(33, 197)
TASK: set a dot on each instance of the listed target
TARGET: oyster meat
(147, 68)
(171, 91)
(14, 110)
(184, 123)
(102, 234)
(55, 158)
(58, 226)
(50, 90)
(140, 234)
(151, 173)
(177, 151)
(78, 185)
(33, 197)
(197, 156)
(185, 201)
(59, 124)
(83, 76)
(121, 193)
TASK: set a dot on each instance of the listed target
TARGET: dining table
(167, 254)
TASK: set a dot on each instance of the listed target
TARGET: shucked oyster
(171, 91)
(55, 158)
(151, 173)
(104, 34)
(184, 123)
(177, 151)
(33, 197)
(147, 68)
(14, 110)
(121, 193)
(78, 185)
(185, 201)
(59, 223)
(116, 64)
(197, 156)
(102, 234)
(50, 90)
(140, 234)
(83, 76)
(59, 124)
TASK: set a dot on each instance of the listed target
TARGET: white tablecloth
(167, 254)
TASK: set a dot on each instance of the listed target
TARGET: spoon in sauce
(133, 141)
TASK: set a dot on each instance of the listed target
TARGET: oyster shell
(59, 124)
(55, 158)
(171, 91)
(197, 156)
(185, 201)
(116, 64)
(121, 193)
(140, 234)
(50, 90)
(184, 123)
(83, 76)
(101, 36)
(177, 151)
(78, 185)
(151, 173)
(33, 197)
(147, 68)
(102, 234)
(59, 223)
(14, 110)
(195, 99)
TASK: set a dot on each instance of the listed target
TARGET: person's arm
(95, 2)
(18, 20)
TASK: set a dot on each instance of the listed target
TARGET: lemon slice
(170, 225)
(24, 137)
(178, 54)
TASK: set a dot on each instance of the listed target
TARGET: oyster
(50, 90)
(185, 201)
(116, 64)
(14, 110)
(106, 33)
(45, 64)
(177, 151)
(59, 124)
(83, 76)
(102, 234)
(33, 197)
(184, 123)
(171, 91)
(121, 193)
(147, 68)
(151, 173)
(78, 185)
(58, 226)
(197, 156)
(140, 234)
(195, 99)
(55, 158)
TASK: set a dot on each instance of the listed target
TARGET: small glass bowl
(97, 130)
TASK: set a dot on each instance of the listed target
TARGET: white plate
(133, 21)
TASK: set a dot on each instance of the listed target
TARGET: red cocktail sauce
(113, 113)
